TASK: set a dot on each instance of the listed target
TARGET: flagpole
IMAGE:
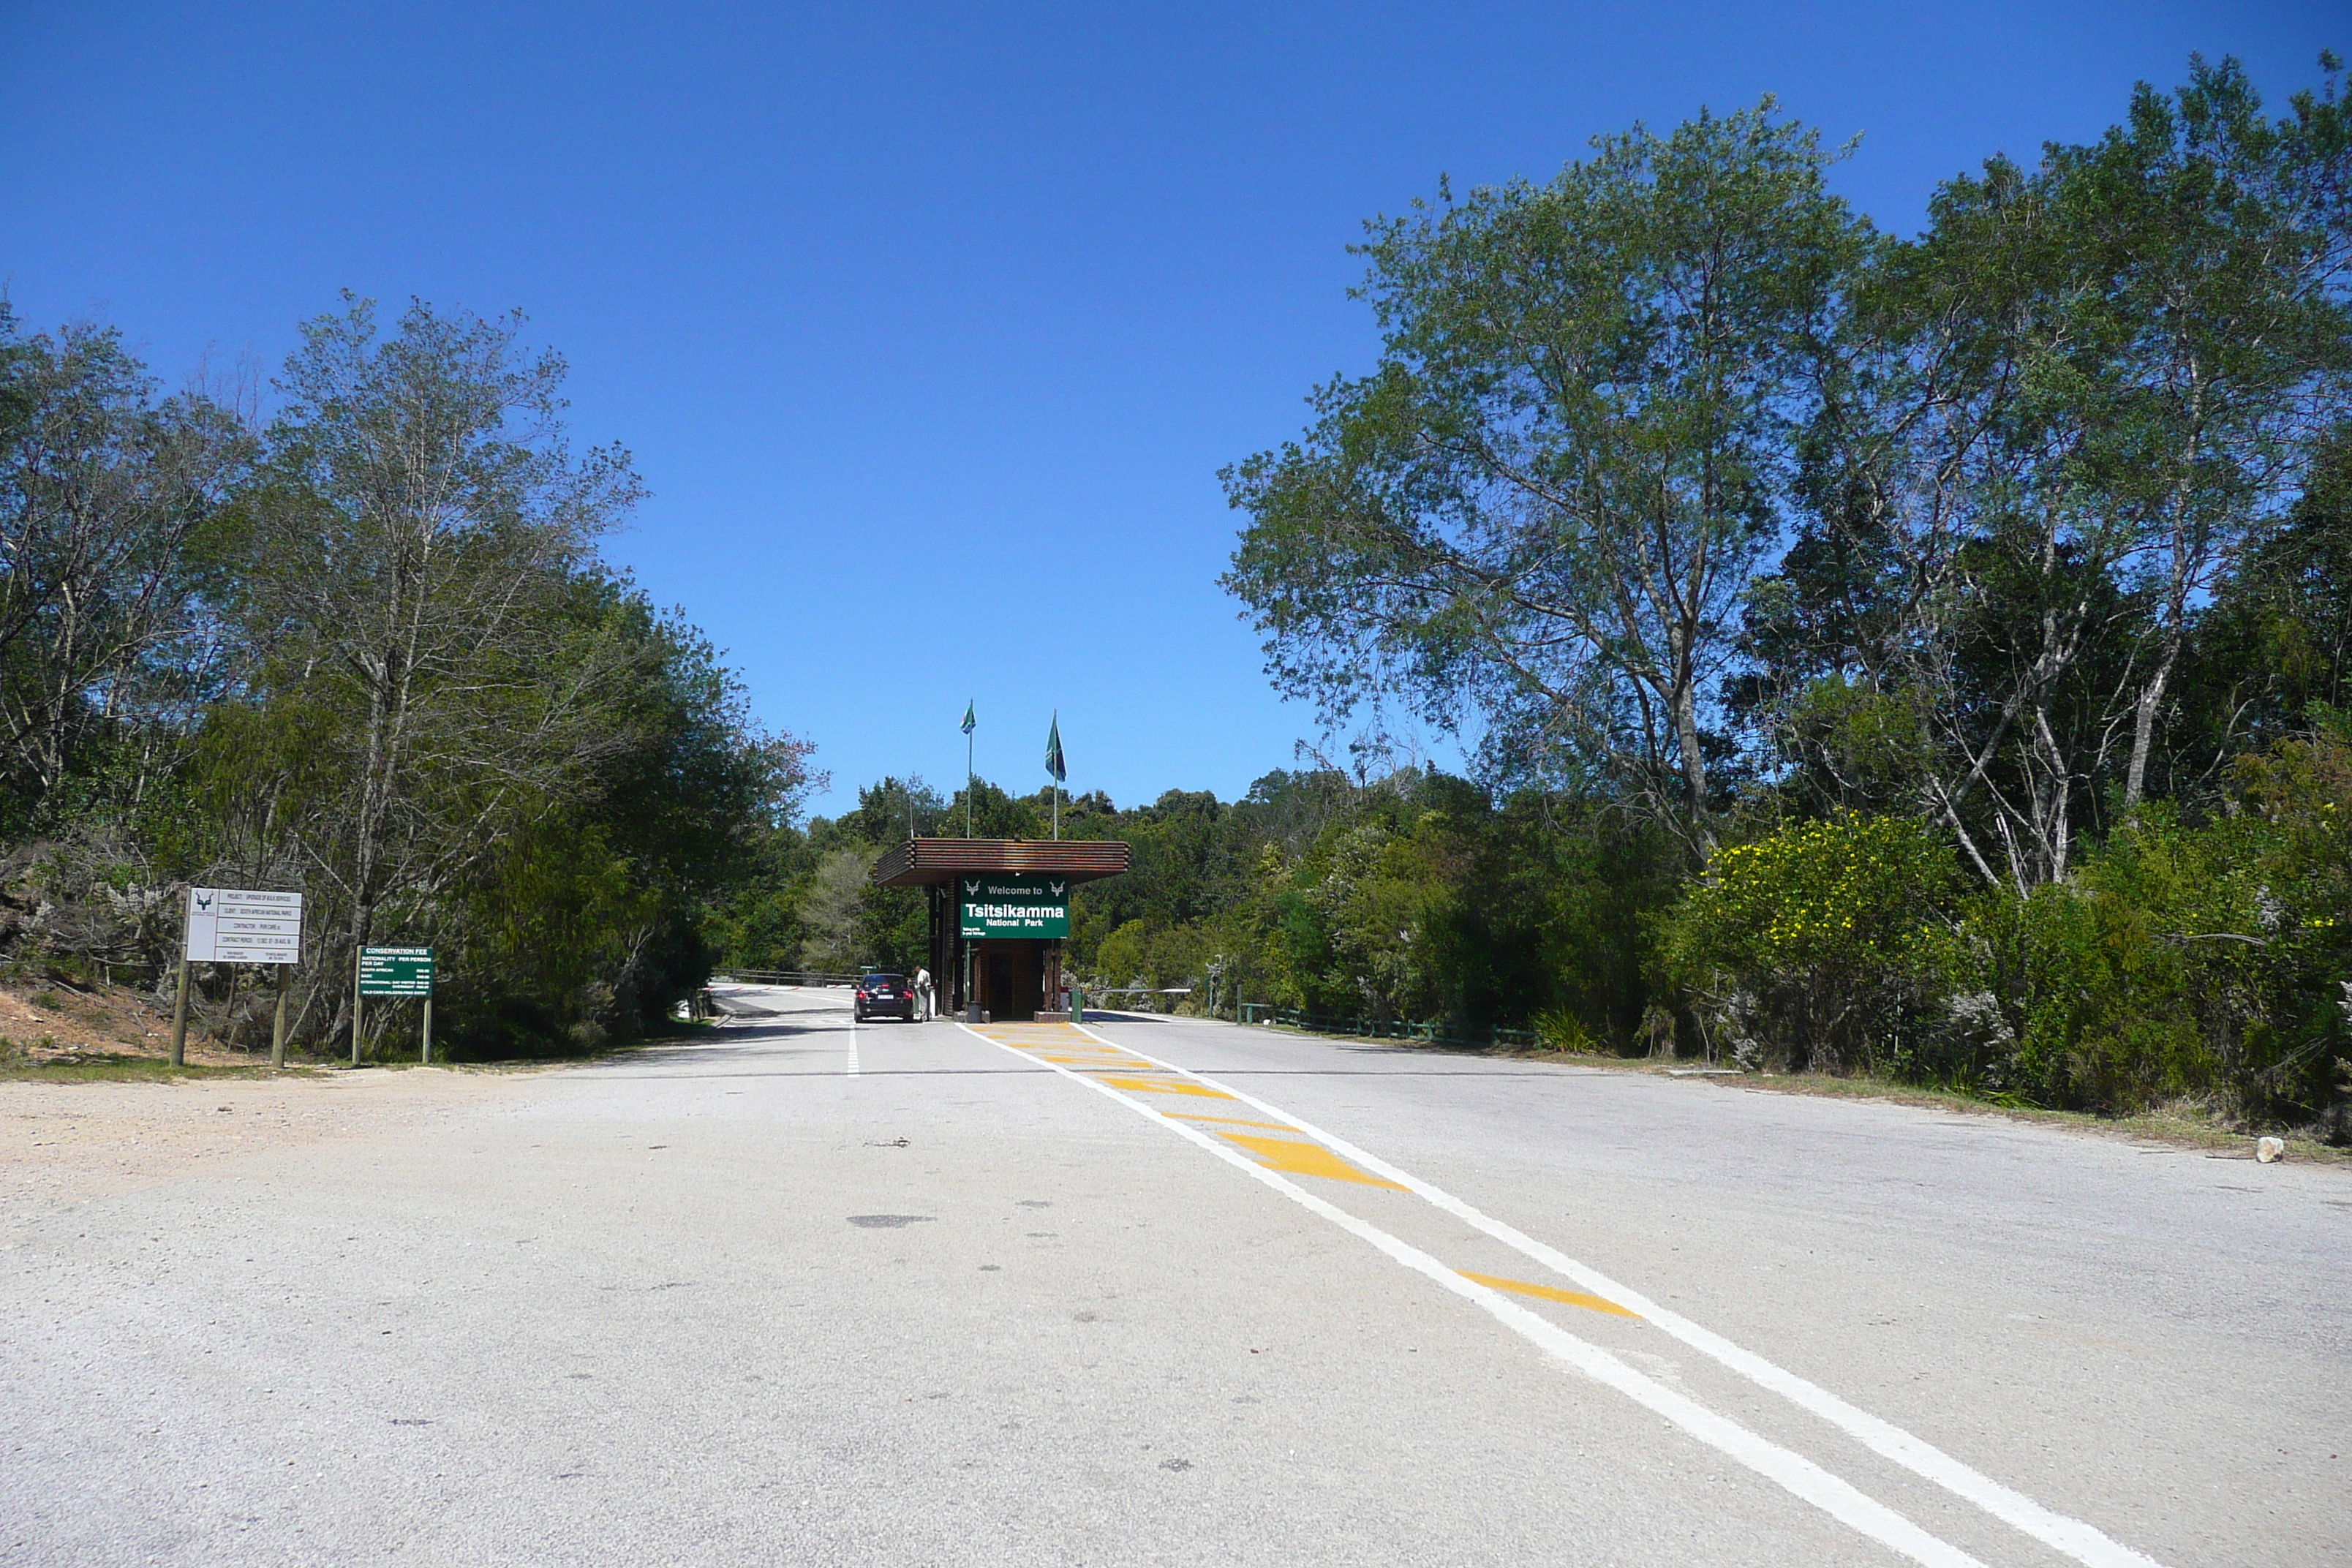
(966, 770)
(1056, 770)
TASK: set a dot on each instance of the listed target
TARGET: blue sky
(922, 321)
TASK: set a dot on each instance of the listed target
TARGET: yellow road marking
(1306, 1160)
(1229, 1120)
(1549, 1293)
(1164, 1086)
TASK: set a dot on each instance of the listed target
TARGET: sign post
(237, 925)
(393, 971)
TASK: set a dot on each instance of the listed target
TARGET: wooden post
(180, 1013)
(356, 1004)
(277, 1028)
(428, 1028)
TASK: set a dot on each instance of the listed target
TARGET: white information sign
(229, 925)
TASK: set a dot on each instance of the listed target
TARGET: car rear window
(883, 979)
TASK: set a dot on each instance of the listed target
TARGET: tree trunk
(1686, 705)
(2144, 712)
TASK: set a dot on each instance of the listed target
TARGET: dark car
(886, 995)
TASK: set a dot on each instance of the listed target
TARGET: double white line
(1839, 1498)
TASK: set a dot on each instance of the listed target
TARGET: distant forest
(1923, 656)
(364, 649)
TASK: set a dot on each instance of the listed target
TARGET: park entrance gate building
(999, 911)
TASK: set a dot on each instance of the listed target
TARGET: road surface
(1155, 1292)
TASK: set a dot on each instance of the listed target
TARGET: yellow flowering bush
(1801, 946)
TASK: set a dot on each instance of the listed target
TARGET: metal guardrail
(781, 977)
(1431, 1033)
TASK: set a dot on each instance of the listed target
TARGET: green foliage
(2182, 960)
(1563, 1031)
(2092, 976)
(107, 501)
(1803, 946)
(2296, 805)
(1419, 899)
(373, 657)
(1999, 569)
(2201, 960)
(1542, 507)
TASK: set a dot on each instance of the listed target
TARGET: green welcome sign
(395, 971)
(1013, 906)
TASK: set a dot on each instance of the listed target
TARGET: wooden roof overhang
(924, 862)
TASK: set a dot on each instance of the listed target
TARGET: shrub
(1803, 949)
(2096, 988)
(1561, 1030)
(2206, 962)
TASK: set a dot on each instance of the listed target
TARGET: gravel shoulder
(68, 1143)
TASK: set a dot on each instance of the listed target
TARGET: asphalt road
(1170, 1293)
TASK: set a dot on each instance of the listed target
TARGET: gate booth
(1000, 906)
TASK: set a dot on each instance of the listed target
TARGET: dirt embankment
(59, 1022)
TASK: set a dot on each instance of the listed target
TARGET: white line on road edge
(852, 1042)
(1839, 1498)
(2084, 1543)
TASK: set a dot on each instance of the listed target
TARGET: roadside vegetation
(1916, 658)
(350, 635)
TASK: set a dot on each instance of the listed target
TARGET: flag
(967, 719)
(1054, 763)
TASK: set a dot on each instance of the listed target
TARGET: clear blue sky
(926, 319)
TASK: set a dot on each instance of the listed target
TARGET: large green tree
(2050, 429)
(107, 642)
(2217, 245)
(1536, 516)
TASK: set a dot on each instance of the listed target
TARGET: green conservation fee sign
(1014, 906)
(395, 971)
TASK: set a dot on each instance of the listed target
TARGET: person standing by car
(922, 995)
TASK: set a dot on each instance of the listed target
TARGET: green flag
(967, 719)
(1054, 763)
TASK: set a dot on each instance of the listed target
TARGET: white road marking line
(1841, 1500)
(2084, 1543)
(854, 1027)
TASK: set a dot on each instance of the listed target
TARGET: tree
(2221, 245)
(103, 493)
(1946, 472)
(1538, 510)
(2047, 429)
(835, 912)
(2272, 654)
(439, 662)
(895, 809)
